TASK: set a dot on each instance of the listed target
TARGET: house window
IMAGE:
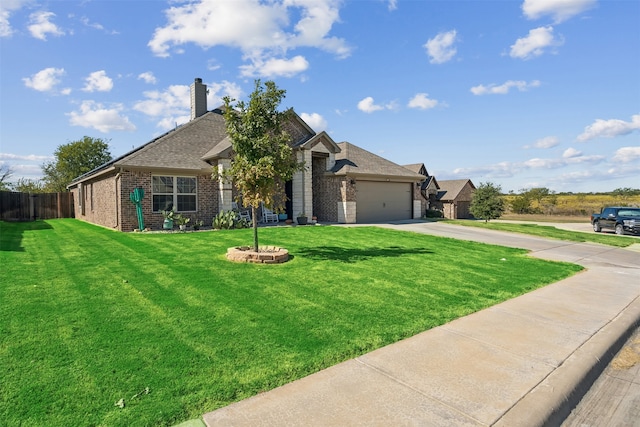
(178, 192)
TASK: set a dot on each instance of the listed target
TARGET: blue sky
(531, 93)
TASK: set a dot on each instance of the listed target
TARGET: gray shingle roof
(353, 161)
(183, 148)
(415, 167)
(450, 189)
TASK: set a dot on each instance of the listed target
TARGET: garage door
(382, 201)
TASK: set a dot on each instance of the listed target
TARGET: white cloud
(368, 106)
(6, 8)
(440, 48)
(626, 154)
(217, 91)
(559, 10)
(275, 67)
(45, 80)
(148, 77)
(547, 142)
(315, 121)
(422, 101)
(537, 163)
(504, 88)
(393, 4)
(571, 153)
(93, 115)
(29, 157)
(175, 100)
(5, 26)
(40, 25)
(535, 43)
(98, 81)
(510, 169)
(212, 65)
(171, 106)
(261, 30)
(609, 128)
(90, 24)
(393, 105)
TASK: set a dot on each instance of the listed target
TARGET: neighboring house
(341, 182)
(454, 198)
(428, 189)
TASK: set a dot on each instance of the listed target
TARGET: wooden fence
(32, 206)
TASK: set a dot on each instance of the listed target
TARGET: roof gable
(298, 129)
(322, 138)
(451, 189)
(418, 168)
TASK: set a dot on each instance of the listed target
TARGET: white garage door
(382, 201)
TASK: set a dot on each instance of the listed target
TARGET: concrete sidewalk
(525, 362)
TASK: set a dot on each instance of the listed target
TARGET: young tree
(262, 159)
(5, 173)
(74, 159)
(521, 204)
(487, 202)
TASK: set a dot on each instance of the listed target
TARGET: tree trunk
(255, 227)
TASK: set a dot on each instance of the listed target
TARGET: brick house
(454, 198)
(341, 182)
(451, 197)
(428, 188)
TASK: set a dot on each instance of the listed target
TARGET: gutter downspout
(117, 199)
(304, 199)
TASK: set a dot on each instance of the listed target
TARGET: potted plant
(302, 218)
(282, 217)
(182, 221)
(197, 224)
(168, 219)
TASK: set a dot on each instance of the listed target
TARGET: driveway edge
(555, 397)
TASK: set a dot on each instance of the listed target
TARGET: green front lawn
(89, 316)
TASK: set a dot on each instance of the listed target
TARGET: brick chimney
(198, 98)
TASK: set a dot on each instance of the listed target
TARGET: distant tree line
(70, 161)
(489, 202)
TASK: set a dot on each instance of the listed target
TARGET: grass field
(101, 328)
(579, 205)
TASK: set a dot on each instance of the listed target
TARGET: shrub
(433, 213)
(227, 220)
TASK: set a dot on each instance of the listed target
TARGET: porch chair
(268, 215)
(242, 213)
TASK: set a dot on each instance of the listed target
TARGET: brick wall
(107, 201)
(96, 202)
(326, 191)
(347, 204)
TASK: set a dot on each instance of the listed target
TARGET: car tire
(619, 230)
(596, 227)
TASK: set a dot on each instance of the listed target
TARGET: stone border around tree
(265, 254)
